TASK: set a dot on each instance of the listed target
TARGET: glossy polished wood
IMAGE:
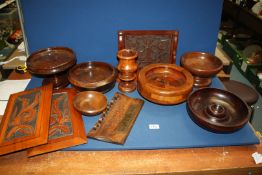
(153, 46)
(127, 68)
(93, 76)
(52, 64)
(90, 102)
(202, 65)
(164, 83)
(217, 110)
(190, 161)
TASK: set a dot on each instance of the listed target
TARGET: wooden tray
(66, 127)
(26, 118)
(217, 110)
(117, 121)
(97, 76)
(164, 83)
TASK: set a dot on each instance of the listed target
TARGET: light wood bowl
(90, 102)
(165, 84)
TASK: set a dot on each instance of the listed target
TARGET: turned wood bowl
(52, 64)
(90, 102)
(217, 110)
(165, 84)
(202, 66)
(93, 76)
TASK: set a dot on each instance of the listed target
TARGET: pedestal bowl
(217, 110)
(52, 64)
(93, 76)
(165, 84)
(202, 66)
(90, 102)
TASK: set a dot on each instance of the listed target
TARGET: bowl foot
(201, 82)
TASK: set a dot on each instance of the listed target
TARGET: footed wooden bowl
(93, 76)
(217, 110)
(52, 64)
(165, 84)
(202, 65)
(90, 102)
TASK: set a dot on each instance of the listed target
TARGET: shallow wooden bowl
(52, 64)
(90, 102)
(202, 65)
(165, 84)
(217, 110)
(94, 76)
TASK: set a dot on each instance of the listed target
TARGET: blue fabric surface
(177, 130)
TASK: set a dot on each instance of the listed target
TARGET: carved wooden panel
(26, 118)
(66, 127)
(153, 46)
(117, 120)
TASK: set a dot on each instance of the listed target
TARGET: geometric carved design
(153, 46)
(26, 118)
(66, 127)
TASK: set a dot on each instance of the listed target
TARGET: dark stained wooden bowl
(202, 65)
(52, 64)
(90, 102)
(94, 76)
(217, 110)
(165, 84)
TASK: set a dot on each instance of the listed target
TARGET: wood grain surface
(217, 160)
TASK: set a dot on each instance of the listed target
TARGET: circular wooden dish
(217, 110)
(165, 84)
(202, 65)
(90, 102)
(52, 64)
(96, 76)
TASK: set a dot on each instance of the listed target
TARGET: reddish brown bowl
(93, 76)
(202, 65)
(90, 102)
(52, 64)
(217, 110)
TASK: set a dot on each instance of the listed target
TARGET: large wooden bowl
(90, 102)
(52, 64)
(93, 76)
(202, 65)
(217, 110)
(165, 84)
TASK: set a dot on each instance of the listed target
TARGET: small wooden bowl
(90, 102)
(93, 76)
(202, 65)
(217, 110)
(165, 84)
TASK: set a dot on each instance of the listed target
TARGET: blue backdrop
(90, 27)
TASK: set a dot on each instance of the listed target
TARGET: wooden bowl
(217, 110)
(94, 76)
(52, 64)
(90, 102)
(165, 84)
(202, 65)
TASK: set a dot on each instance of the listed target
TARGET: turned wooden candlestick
(127, 68)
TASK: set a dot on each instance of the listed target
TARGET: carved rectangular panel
(66, 127)
(117, 121)
(26, 118)
(153, 46)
